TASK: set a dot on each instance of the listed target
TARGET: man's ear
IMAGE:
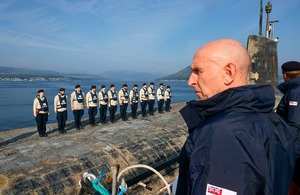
(285, 77)
(230, 73)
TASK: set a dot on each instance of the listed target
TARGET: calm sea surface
(16, 98)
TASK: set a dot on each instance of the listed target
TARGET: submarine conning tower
(264, 61)
(263, 52)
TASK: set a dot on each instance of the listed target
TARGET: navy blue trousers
(61, 118)
(144, 107)
(160, 105)
(123, 110)
(167, 104)
(77, 117)
(103, 111)
(151, 106)
(112, 113)
(92, 115)
(41, 121)
(134, 107)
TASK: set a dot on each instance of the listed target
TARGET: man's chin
(201, 96)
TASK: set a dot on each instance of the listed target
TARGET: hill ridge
(182, 75)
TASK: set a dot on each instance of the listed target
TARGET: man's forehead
(199, 60)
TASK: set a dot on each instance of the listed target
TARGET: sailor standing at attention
(60, 108)
(288, 108)
(112, 103)
(168, 97)
(160, 98)
(77, 106)
(91, 104)
(151, 92)
(103, 100)
(144, 99)
(123, 100)
(41, 112)
(134, 100)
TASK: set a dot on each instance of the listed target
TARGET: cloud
(129, 33)
(26, 40)
(27, 19)
(76, 6)
(116, 32)
(5, 4)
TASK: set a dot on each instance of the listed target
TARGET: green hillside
(179, 76)
(26, 74)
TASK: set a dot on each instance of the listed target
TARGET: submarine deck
(55, 164)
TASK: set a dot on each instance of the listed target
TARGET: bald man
(236, 145)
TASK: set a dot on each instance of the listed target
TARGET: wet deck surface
(55, 164)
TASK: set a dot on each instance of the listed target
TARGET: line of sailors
(105, 100)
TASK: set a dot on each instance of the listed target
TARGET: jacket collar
(284, 87)
(250, 98)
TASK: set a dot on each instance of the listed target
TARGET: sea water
(16, 98)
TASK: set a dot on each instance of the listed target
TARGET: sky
(95, 36)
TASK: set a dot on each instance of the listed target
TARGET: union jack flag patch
(293, 103)
(215, 190)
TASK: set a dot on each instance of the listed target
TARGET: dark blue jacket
(236, 144)
(289, 107)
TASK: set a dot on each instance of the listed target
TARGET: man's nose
(192, 80)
